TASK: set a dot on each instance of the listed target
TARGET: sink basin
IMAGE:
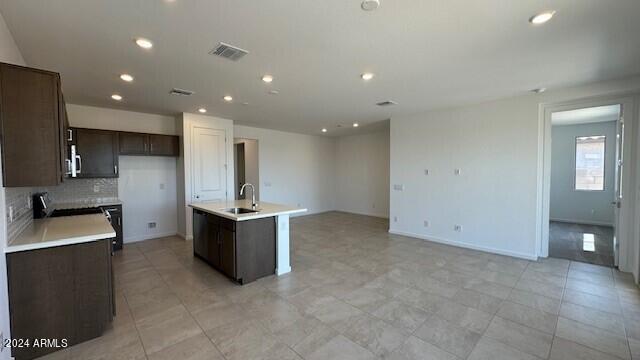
(240, 211)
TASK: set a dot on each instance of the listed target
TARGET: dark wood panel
(93, 308)
(213, 246)
(30, 127)
(228, 252)
(41, 297)
(98, 150)
(133, 143)
(164, 145)
(200, 234)
(255, 249)
(115, 212)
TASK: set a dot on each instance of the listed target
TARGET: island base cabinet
(64, 292)
(244, 250)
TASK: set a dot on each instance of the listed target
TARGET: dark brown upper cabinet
(133, 143)
(148, 144)
(32, 120)
(97, 152)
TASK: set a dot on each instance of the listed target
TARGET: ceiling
(586, 115)
(425, 54)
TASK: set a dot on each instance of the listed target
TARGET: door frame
(624, 222)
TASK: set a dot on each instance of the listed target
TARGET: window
(590, 163)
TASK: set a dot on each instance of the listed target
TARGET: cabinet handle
(151, 147)
(119, 221)
(115, 169)
(79, 171)
(70, 138)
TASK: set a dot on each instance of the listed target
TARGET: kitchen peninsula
(243, 242)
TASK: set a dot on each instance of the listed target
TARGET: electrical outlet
(11, 214)
(457, 171)
(151, 225)
(398, 187)
(161, 186)
(96, 188)
(426, 171)
(373, 206)
(29, 201)
(426, 223)
(457, 228)
(395, 219)
(267, 184)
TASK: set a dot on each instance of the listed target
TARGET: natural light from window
(590, 163)
(588, 242)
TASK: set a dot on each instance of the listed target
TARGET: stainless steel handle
(119, 221)
(70, 137)
(79, 171)
(68, 162)
(115, 169)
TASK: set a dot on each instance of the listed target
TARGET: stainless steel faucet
(254, 204)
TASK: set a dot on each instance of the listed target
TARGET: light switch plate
(457, 171)
(457, 228)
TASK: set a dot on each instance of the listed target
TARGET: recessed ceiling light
(324, 129)
(126, 77)
(539, 90)
(116, 97)
(202, 110)
(228, 98)
(144, 43)
(367, 76)
(369, 5)
(267, 78)
(274, 92)
(542, 18)
(245, 103)
(356, 124)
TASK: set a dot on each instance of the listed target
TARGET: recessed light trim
(126, 77)
(202, 110)
(228, 98)
(267, 78)
(274, 92)
(116, 97)
(542, 17)
(367, 76)
(356, 125)
(144, 43)
(539, 90)
(324, 130)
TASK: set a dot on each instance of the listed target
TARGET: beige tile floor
(357, 292)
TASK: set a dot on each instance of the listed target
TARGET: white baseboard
(583, 222)
(133, 239)
(364, 214)
(466, 245)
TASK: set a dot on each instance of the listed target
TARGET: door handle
(79, 158)
(70, 137)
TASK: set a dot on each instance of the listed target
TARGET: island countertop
(265, 209)
(59, 231)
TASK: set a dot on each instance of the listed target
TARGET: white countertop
(265, 209)
(59, 231)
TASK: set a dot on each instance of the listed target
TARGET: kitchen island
(243, 242)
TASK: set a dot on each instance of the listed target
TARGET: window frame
(604, 164)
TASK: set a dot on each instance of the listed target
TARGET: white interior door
(617, 201)
(209, 167)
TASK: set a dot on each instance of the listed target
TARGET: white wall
(185, 123)
(362, 173)
(9, 53)
(295, 169)
(147, 184)
(567, 203)
(497, 145)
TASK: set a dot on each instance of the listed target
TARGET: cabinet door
(228, 251)
(200, 234)
(133, 143)
(98, 151)
(65, 164)
(30, 127)
(213, 247)
(163, 145)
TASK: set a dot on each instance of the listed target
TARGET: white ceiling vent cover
(181, 92)
(228, 52)
(387, 103)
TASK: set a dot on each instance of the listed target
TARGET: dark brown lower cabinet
(64, 292)
(243, 250)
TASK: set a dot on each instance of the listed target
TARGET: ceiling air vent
(387, 103)
(181, 92)
(228, 52)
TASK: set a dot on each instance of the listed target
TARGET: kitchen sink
(240, 211)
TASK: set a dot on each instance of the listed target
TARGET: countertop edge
(249, 216)
(61, 242)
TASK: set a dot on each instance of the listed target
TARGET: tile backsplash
(71, 190)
